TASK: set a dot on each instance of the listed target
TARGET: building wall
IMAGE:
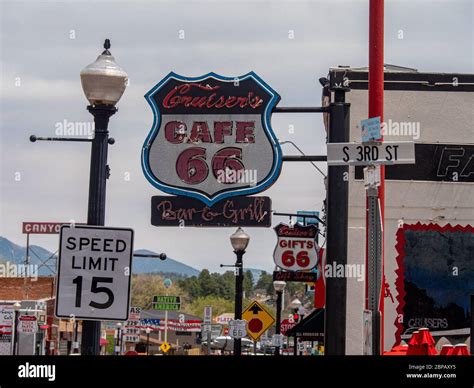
(445, 117)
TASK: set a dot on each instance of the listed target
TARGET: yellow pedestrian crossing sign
(258, 320)
(165, 346)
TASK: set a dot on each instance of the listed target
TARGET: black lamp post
(103, 83)
(239, 241)
(148, 331)
(279, 288)
(117, 340)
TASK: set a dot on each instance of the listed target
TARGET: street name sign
(356, 154)
(259, 320)
(296, 249)
(165, 302)
(94, 274)
(211, 137)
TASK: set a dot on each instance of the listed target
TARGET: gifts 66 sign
(296, 249)
(211, 137)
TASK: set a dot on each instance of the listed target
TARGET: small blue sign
(371, 129)
(307, 220)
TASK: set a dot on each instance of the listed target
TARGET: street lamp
(16, 310)
(148, 331)
(239, 240)
(103, 82)
(279, 287)
(296, 304)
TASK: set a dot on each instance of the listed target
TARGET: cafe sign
(211, 137)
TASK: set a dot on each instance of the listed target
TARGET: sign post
(207, 321)
(94, 273)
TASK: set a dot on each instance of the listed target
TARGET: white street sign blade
(94, 274)
(356, 154)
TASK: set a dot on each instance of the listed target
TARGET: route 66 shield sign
(296, 249)
(211, 137)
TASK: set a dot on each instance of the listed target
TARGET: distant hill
(152, 265)
(14, 253)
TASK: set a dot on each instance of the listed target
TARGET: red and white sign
(296, 249)
(286, 325)
(27, 324)
(42, 227)
(224, 318)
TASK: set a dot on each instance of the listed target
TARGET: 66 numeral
(192, 168)
(95, 290)
(288, 259)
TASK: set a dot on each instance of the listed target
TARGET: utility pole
(337, 222)
(376, 196)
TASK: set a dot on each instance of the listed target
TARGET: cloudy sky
(45, 44)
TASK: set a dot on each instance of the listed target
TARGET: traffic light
(296, 317)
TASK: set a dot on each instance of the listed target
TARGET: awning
(310, 328)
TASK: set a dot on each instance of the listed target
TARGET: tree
(219, 305)
(145, 287)
(207, 284)
(248, 283)
(265, 282)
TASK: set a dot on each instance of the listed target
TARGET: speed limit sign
(94, 272)
(296, 249)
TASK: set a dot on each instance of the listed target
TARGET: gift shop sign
(296, 249)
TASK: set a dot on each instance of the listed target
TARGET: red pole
(376, 90)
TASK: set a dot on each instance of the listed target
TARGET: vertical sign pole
(96, 207)
(166, 324)
(337, 223)
(376, 201)
(472, 325)
(209, 339)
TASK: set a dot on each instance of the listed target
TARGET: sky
(290, 44)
